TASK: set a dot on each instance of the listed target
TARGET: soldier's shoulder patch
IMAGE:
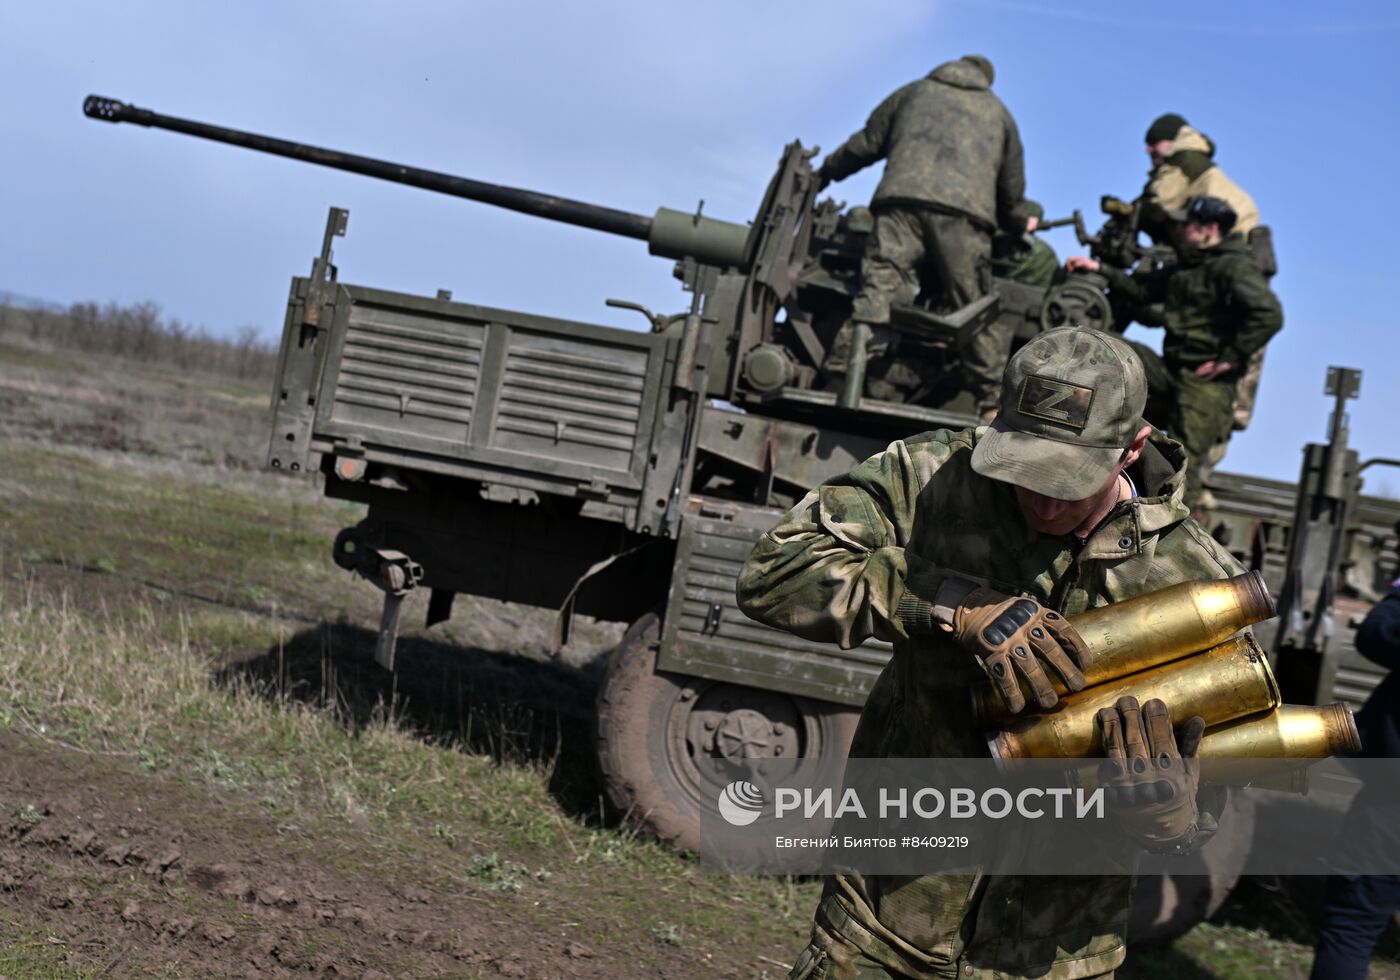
(1055, 401)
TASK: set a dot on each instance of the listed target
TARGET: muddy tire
(652, 727)
(1168, 906)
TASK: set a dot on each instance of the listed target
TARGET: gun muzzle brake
(114, 111)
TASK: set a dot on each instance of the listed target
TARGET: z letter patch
(1055, 401)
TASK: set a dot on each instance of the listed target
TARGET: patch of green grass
(222, 543)
(497, 874)
(667, 933)
(152, 758)
(1229, 951)
(139, 688)
(218, 768)
(36, 955)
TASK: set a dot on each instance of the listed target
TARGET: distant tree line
(140, 333)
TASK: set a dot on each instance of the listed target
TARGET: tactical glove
(1151, 775)
(1014, 637)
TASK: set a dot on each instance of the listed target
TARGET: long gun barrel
(670, 234)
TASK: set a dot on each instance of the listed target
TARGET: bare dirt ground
(202, 773)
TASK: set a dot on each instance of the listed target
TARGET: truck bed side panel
(485, 394)
(706, 635)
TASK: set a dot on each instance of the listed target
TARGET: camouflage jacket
(860, 556)
(1215, 304)
(1191, 171)
(949, 143)
(1026, 258)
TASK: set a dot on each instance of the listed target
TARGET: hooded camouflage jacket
(1191, 171)
(860, 556)
(1215, 304)
(949, 143)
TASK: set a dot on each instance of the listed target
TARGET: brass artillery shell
(1278, 775)
(1292, 731)
(1148, 630)
(1268, 751)
(1230, 680)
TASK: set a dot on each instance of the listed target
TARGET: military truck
(626, 474)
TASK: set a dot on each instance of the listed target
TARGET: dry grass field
(202, 772)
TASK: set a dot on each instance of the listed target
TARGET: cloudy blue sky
(640, 104)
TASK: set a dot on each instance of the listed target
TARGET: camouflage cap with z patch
(1071, 402)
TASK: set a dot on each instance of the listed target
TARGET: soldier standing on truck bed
(1066, 502)
(1183, 168)
(954, 176)
(1217, 310)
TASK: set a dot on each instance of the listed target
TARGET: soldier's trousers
(1261, 243)
(1195, 412)
(949, 258)
(826, 960)
(1247, 390)
(1357, 910)
(847, 947)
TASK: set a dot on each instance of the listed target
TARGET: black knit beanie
(1165, 127)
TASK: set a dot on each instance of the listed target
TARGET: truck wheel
(652, 728)
(1168, 906)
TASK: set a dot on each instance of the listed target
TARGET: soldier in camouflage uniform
(1066, 502)
(1217, 309)
(954, 175)
(1027, 258)
(1184, 168)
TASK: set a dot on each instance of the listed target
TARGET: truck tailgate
(533, 402)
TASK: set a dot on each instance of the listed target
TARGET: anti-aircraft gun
(625, 475)
(773, 291)
(620, 474)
